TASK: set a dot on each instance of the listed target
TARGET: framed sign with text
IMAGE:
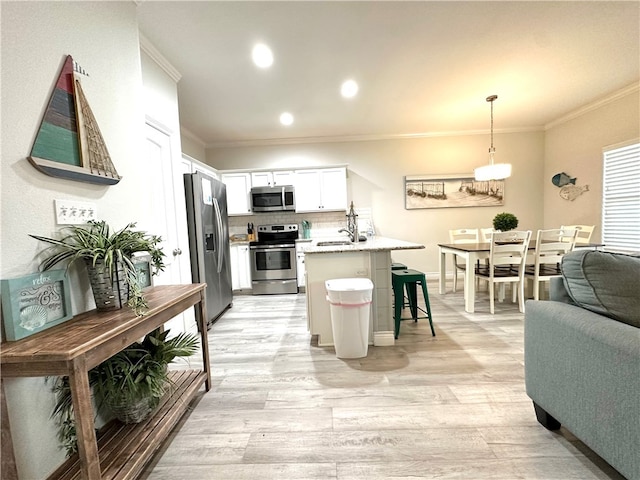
(34, 303)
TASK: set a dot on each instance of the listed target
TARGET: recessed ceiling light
(349, 89)
(286, 119)
(262, 55)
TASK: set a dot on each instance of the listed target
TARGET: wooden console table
(74, 347)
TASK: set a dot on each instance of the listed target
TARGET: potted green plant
(129, 385)
(108, 257)
(504, 222)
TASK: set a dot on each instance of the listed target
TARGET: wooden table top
(90, 330)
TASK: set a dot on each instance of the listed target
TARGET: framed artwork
(142, 263)
(456, 190)
(34, 303)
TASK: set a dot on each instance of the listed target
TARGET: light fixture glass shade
(493, 171)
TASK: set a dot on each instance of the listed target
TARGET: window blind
(621, 199)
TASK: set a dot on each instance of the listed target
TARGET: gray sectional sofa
(582, 355)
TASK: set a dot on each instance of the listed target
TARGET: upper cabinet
(238, 193)
(321, 190)
(197, 166)
(272, 179)
(316, 189)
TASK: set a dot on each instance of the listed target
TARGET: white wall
(36, 36)
(193, 147)
(376, 179)
(575, 147)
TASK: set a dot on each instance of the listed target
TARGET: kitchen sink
(331, 243)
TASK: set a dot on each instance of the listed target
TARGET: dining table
(471, 253)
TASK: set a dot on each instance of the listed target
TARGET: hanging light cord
(490, 99)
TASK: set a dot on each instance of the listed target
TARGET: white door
(169, 216)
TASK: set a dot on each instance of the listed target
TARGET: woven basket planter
(128, 411)
(110, 291)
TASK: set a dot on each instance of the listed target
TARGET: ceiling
(424, 68)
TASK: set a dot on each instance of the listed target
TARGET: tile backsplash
(323, 224)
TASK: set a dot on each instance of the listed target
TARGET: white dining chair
(485, 234)
(584, 233)
(461, 235)
(507, 258)
(551, 246)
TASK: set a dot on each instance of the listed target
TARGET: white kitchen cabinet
(301, 270)
(238, 193)
(240, 267)
(272, 179)
(197, 166)
(321, 190)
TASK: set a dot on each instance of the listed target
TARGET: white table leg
(443, 272)
(469, 282)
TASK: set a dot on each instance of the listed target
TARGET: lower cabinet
(300, 264)
(240, 267)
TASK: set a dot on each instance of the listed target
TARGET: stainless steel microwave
(273, 199)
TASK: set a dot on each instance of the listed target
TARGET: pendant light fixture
(493, 171)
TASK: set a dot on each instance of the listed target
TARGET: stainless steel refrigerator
(209, 240)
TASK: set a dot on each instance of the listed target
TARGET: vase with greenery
(128, 385)
(109, 258)
(504, 222)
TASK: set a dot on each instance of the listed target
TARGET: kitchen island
(328, 259)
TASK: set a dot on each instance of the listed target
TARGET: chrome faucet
(352, 225)
(351, 234)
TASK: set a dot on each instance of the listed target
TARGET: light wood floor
(447, 407)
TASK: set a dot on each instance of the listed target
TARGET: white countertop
(372, 244)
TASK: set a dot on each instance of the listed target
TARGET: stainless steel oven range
(273, 260)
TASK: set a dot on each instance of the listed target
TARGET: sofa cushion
(605, 283)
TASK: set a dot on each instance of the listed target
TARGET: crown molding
(147, 47)
(362, 138)
(192, 136)
(612, 97)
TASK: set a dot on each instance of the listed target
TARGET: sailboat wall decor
(69, 143)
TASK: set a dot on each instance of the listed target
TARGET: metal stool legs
(408, 280)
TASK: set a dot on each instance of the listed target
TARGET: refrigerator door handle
(216, 206)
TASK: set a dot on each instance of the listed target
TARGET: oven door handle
(216, 207)
(270, 247)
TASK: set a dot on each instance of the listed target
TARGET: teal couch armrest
(583, 369)
(558, 292)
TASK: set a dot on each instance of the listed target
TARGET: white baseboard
(383, 339)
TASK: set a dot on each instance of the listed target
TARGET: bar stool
(408, 279)
(400, 266)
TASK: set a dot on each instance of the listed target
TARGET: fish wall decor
(571, 192)
(567, 185)
(561, 179)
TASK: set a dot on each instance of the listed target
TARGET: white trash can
(350, 303)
